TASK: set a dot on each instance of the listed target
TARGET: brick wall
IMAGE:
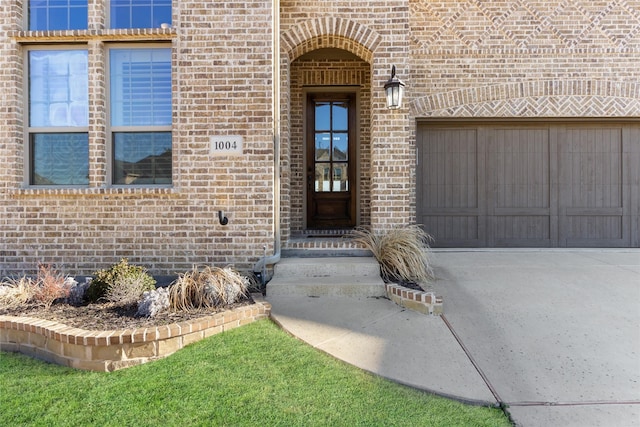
(525, 59)
(222, 85)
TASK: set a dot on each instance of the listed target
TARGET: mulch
(107, 317)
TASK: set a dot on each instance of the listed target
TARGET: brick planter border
(108, 351)
(423, 302)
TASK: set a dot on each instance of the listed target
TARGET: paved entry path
(552, 334)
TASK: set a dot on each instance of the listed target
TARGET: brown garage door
(507, 184)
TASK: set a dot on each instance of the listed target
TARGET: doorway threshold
(323, 243)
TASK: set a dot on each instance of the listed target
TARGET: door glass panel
(322, 181)
(323, 116)
(323, 146)
(340, 146)
(340, 177)
(340, 116)
(331, 134)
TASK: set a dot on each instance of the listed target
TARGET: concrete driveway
(552, 334)
(555, 332)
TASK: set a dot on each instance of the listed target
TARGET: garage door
(526, 185)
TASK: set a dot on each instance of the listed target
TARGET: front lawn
(256, 375)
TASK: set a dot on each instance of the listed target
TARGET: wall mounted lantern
(394, 89)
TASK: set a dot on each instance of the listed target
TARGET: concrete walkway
(552, 334)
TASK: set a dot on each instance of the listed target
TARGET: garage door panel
(518, 166)
(518, 174)
(451, 161)
(521, 229)
(631, 179)
(591, 190)
(449, 196)
(453, 231)
(595, 231)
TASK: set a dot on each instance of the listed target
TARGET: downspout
(261, 266)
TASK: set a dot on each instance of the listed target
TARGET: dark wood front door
(331, 160)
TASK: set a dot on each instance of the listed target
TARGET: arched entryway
(329, 141)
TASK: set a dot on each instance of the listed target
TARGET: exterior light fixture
(394, 89)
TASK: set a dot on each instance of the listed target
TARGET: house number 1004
(227, 145)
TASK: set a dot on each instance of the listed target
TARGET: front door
(331, 160)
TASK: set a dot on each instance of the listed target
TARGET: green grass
(256, 375)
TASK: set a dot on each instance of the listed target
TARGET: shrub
(153, 302)
(211, 287)
(50, 285)
(122, 283)
(403, 253)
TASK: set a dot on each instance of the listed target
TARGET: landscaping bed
(120, 318)
(109, 316)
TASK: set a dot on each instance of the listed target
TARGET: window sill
(142, 34)
(86, 192)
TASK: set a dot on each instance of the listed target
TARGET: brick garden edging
(112, 350)
(421, 301)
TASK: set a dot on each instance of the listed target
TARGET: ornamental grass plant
(48, 286)
(16, 292)
(209, 287)
(402, 252)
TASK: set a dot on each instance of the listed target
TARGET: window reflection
(331, 146)
(59, 159)
(142, 158)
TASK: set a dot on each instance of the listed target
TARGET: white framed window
(58, 116)
(140, 115)
(49, 15)
(139, 13)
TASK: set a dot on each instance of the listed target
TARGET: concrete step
(342, 276)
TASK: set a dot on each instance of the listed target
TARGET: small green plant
(123, 283)
(210, 287)
(403, 253)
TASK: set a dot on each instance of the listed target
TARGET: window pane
(141, 87)
(139, 13)
(142, 158)
(340, 177)
(141, 17)
(59, 159)
(323, 146)
(78, 18)
(340, 146)
(47, 15)
(58, 88)
(323, 116)
(340, 116)
(323, 180)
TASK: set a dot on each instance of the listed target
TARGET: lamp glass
(394, 90)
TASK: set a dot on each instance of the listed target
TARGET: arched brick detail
(570, 98)
(330, 32)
